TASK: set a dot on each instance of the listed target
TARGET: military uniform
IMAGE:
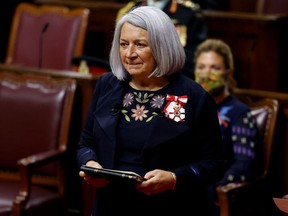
(189, 23)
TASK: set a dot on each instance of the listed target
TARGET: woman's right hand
(95, 182)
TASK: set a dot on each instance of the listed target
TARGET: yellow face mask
(212, 82)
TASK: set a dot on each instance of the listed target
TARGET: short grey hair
(163, 40)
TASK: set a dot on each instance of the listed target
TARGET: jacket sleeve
(210, 166)
(85, 151)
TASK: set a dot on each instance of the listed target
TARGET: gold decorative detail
(190, 4)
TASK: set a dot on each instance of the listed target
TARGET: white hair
(163, 40)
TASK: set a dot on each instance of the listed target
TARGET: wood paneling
(259, 45)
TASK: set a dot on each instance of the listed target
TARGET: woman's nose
(131, 51)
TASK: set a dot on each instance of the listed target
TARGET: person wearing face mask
(214, 72)
(188, 20)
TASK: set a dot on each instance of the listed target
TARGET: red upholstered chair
(35, 115)
(250, 198)
(46, 36)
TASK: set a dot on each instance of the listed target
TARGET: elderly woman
(148, 118)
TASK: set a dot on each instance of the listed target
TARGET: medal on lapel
(174, 109)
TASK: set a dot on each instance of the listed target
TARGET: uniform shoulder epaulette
(129, 6)
(189, 4)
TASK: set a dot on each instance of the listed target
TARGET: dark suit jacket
(190, 149)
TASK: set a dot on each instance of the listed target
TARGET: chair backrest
(46, 36)
(250, 198)
(265, 111)
(35, 114)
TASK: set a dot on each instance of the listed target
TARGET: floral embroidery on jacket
(144, 106)
(139, 113)
(141, 106)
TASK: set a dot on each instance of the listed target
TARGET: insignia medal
(174, 109)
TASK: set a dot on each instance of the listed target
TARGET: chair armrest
(41, 158)
(26, 166)
(225, 194)
(229, 194)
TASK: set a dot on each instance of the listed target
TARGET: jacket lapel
(108, 110)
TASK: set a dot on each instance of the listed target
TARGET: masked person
(214, 71)
(188, 20)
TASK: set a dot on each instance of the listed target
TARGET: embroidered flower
(128, 99)
(142, 98)
(139, 113)
(157, 101)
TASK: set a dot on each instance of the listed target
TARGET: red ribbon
(180, 99)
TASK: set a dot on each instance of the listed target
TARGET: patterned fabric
(211, 80)
(139, 109)
(141, 105)
(137, 113)
(239, 131)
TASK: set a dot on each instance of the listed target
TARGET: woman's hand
(157, 182)
(95, 182)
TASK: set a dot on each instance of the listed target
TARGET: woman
(214, 71)
(148, 118)
(188, 20)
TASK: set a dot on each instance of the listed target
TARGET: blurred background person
(214, 71)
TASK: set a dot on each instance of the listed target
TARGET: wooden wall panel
(258, 44)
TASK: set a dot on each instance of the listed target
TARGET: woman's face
(136, 55)
(210, 71)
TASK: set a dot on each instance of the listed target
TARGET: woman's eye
(201, 68)
(216, 68)
(140, 45)
(123, 45)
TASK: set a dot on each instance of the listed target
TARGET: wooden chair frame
(26, 175)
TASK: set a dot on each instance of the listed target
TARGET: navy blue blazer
(191, 149)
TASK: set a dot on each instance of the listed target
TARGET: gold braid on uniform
(173, 7)
(186, 3)
(189, 4)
